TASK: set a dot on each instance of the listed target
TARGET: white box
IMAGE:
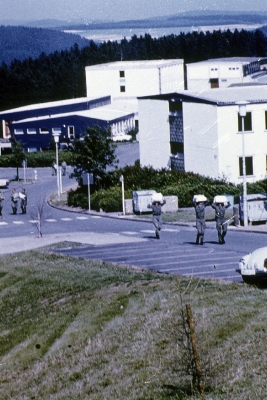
(199, 198)
(157, 198)
(220, 199)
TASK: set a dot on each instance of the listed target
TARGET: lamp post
(56, 139)
(242, 112)
(122, 192)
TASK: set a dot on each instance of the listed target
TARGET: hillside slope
(18, 42)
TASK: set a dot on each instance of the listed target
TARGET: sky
(115, 10)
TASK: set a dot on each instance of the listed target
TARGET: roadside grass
(79, 329)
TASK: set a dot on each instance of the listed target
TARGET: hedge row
(169, 183)
(39, 159)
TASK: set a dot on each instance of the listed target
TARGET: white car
(253, 266)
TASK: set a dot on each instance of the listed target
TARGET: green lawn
(77, 329)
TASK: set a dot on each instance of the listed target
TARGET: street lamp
(56, 139)
(242, 112)
(122, 192)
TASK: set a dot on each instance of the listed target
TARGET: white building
(202, 133)
(222, 72)
(124, 79)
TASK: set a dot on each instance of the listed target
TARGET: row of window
(230, 69)
(44, 131)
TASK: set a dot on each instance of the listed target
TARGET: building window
(247, 122)
(175, 106)
(266, 120)
(56, 130)
(31, 131)
(18, 131)
(176, 147)
(122, 89)
(71, 132)
(214, 83)
(122, 74)
(249, 165)
(44, 131)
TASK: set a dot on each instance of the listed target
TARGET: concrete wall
(201, 150)
(154, 133)
(213, 145)
(199, 75)
(138, 80)
(230, 143)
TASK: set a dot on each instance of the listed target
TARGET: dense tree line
(61, 75)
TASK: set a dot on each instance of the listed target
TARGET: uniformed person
(200, 219)
(221, 224)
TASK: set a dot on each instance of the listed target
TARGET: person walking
(156, 215)
(23, 201)
(14, 201)
(221, 224)
(1, 202)
(54, 168)
(64, 167)
(200, 202)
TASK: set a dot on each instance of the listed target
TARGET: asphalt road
(122, 240)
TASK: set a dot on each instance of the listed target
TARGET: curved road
(121, 240)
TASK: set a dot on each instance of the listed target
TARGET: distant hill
(193, 18)
(18, 42)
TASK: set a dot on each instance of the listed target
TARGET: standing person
(200, 217)
(54, 168)
(221, 226)
(1, 202)
(23, 201)
(14, 201)
(64, 167)
(156, 215)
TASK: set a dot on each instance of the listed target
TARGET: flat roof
(136, 64)
(105, 113)
(225, 96)
(39, 106)
(240, 60)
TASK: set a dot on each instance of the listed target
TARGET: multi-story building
(124, 79)
(222, 72)
(202, 133)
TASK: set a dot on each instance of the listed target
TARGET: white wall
(200, 139)
(154, 133)
(212, 144)
(138, 81)
(172, 78)
(199, 75)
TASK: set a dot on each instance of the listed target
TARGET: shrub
(38, 159)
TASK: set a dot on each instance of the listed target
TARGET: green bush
(39, 159)
(170, 183)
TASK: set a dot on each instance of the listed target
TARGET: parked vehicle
(253, 266)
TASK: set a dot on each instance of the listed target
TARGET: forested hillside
(18, 42)
(61, 75)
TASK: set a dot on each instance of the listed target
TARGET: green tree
(17, 155)
(93, 153)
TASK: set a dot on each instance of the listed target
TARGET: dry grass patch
(76, 329)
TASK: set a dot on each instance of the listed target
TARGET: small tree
(93, 154)
(17, 155)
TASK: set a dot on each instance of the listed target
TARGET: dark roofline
(178, 97)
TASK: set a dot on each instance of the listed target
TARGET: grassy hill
(78, 329)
